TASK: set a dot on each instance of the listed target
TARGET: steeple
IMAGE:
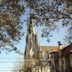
(31, 50)
(31, 28)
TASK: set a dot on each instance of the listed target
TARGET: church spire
(31, 28)
(31, 50)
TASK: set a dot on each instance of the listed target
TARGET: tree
(68, 36)
(19, 66)
(49, 12)
(43, 12)
(22, 66)
(10, 23)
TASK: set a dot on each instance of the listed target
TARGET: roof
(49, 48)
(55, 50)
(66, 50)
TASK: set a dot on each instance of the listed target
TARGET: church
(45, 58)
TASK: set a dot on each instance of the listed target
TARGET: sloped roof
(67, 50)
(49, 48)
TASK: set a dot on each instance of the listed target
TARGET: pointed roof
(31, 27)
(31, 41)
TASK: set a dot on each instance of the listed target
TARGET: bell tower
(31, 50)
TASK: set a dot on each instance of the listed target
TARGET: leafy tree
(19, 66)
(68, 36)
(49, 13)
(22, 66)
(44, 12)
(50, 10)
(10, 23)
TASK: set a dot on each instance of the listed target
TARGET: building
(54, 59)
(61, 59)
(36, 57)
(31, 50)
(66, 58)
(45, 58)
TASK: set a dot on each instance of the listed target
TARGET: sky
(10, 60)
